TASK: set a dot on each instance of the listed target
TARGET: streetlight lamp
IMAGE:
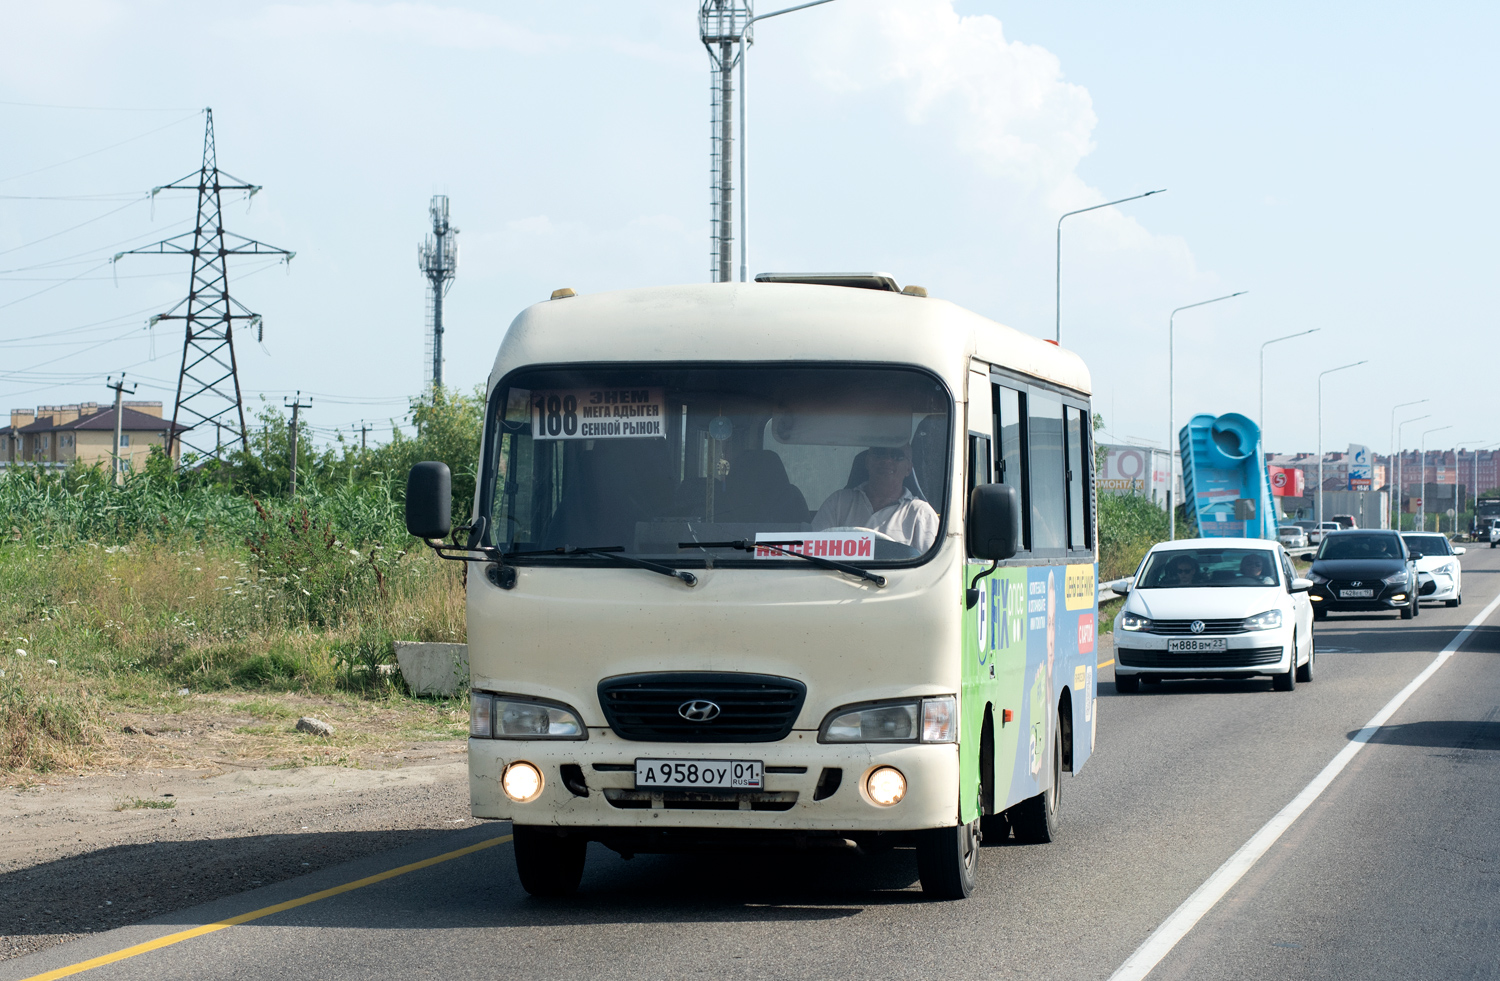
(1274, 340)
(1422, 508)
(1057, 330)
(1400, 487)
(1172, 409)
(1396, 502)
(1320, 435)
(748, 39)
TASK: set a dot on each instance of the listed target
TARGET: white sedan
(1215, 608)
(1439, 562)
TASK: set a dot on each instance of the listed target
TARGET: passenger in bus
(1254, 566)
(882, 502)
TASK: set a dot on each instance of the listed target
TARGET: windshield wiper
(748, 546)
(613, 552)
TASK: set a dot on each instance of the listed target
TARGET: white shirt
(910, 520)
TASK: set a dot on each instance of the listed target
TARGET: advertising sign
(1135, 470)
(1286, 481)
(1361, 469)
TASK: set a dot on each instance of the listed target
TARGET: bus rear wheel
(947, 860)
(549, 861)
(1036, 819)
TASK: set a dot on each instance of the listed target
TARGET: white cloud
(1004, 102)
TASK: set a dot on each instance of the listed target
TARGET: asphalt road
(1392, 872)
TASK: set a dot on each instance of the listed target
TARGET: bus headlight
(886, 785)
(522, 782)
(519, 717)
(928, 720)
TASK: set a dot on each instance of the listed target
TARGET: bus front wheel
(947, 859)
(1035, 819)
(549, 861)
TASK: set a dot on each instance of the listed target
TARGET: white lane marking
(1185, 917)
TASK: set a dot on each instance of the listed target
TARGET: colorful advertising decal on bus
(1029, 638)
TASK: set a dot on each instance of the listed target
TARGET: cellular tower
(722, 24)
(438, 259)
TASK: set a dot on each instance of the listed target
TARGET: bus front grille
(1241, 657)
(701, 706)
(689, 800)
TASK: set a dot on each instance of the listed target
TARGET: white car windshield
(1196, 568)
(1428, 544)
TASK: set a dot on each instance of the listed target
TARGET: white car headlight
(1134, 621)
(928, 720)
(519, 717)
(1269, 620)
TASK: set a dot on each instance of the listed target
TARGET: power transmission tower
(722, 26)
(296, 405)
(120, 390)
(208, 384)
(438, 259)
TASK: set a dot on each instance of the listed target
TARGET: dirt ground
(216, 798)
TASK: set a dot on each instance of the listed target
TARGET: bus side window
(1077, 474)
(1010, 455)
(1049, 501)
(979, 461)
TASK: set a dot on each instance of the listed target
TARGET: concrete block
(433, 669)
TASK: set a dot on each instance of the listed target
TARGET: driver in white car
(883, 502)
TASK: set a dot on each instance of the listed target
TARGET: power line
(16, 248)
(46, 105)
(91, 153)
(91, 253)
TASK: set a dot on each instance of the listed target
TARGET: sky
(1335, 161)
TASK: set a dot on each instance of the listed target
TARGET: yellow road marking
(176, 938)
(1105, 664)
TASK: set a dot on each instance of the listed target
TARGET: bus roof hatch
(857, 280)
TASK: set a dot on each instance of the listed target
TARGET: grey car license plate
(1192, 645)
(699, 774)
(1356, 594)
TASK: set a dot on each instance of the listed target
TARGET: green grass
(136, 803)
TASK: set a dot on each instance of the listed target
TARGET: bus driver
(883, 502)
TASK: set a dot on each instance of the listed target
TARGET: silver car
(1292, 536)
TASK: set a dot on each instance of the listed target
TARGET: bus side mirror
(429, 500)
(994, 526)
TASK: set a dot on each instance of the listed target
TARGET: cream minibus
(805, 561)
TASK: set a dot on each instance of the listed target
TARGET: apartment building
(58, 435)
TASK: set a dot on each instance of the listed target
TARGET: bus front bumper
(602, 767)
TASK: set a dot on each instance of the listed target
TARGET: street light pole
(747, 39)
(1274, 340)
(1422, 509)
(1172, 409)
(1400, 488)
(1057, 328)
(1320, 437)
(1396, 501)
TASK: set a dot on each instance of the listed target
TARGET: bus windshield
(845, 462)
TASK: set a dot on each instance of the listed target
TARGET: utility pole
(721, 28)
(438, 259)
(120, 389)
(296, 405)
(208, 384)
(363, 428)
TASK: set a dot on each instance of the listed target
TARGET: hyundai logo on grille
(1196, 626)
(698, 710)
(1356, 583)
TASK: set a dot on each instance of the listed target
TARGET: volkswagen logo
(698, 710)
(1196, 626)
